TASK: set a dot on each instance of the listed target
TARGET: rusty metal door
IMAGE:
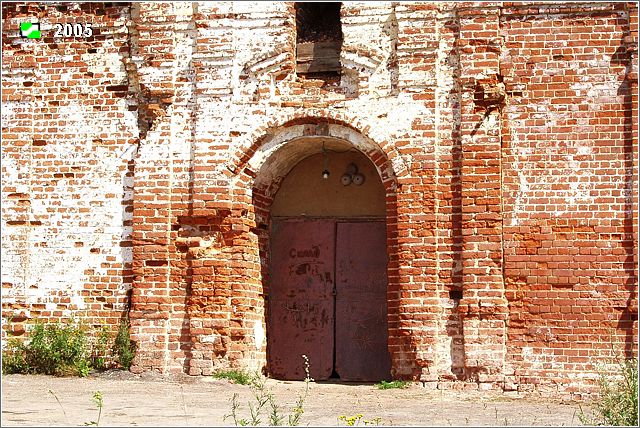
(301, 299)
(361, 302)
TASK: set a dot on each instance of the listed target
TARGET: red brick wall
(504, 134)
(568, 170)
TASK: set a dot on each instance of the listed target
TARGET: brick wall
(568, 190)
(69, 138)
(146, 159)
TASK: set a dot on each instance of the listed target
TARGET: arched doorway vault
(300, 154)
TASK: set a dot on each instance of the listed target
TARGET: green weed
(14, 357)
(236, 376)
(618, 402)
(66, 350)
(355, 420)
(98, 401)
(99, 351)
(264, 401)
(52, 349)
(399, 384)
(123, 347)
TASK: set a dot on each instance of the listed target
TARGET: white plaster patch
(78, 301)
(540, 358)
(401, 117)
(491, 122)
(523, 184)
(209, 339)
(584, 150)
(566, 180)
(259, 335)
(52, 265)
(8, 111)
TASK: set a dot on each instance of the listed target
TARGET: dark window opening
(319, 38)
(318, 22)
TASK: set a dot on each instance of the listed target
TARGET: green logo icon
(30, 30)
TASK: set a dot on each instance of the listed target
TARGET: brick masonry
(138, 174)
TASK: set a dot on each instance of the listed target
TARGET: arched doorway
(328, 267)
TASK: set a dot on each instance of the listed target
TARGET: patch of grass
(618, 402)
(53, 349)
(66, 350)
(398, 384)
(236, 376)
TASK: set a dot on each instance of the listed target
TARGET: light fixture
(325, 171)
(358, 179)
(352, 175)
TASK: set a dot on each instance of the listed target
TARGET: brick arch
(249, 185)
(343, 125)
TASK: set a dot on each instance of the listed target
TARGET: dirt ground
(151, 400)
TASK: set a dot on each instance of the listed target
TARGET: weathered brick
(139, 170)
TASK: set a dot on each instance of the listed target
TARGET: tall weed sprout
(123, 346)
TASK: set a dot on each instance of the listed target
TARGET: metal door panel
(361, 302)
(301, 299)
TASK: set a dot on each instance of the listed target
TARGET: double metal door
(328, 300)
